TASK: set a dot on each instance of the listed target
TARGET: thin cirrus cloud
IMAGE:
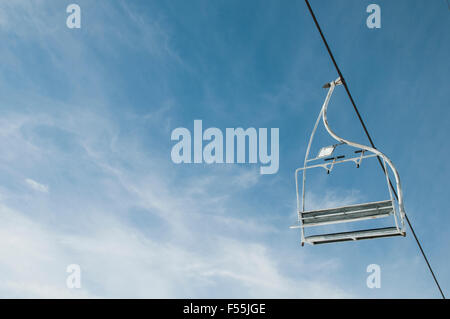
(36, 186)
(122, 258)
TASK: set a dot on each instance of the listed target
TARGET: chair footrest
(354, 235)
(347, 213)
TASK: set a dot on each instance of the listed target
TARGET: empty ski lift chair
(351, 213)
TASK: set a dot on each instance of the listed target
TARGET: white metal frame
(398, 212)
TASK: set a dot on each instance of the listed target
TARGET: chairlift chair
(365, 211)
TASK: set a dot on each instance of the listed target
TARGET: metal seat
(354, 235)
(347, 213)
(373, 210)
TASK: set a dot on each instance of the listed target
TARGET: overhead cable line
(370, 140)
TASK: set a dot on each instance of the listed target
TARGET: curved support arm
(306, 161)
(361, 146)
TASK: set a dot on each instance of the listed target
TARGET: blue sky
(85, 122)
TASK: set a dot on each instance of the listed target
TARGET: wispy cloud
(36, 186)
(123, 234)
